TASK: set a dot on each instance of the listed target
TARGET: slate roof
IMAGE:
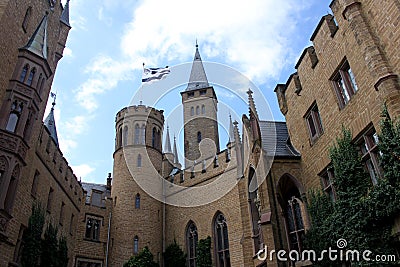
(198, 77)
(275, 137)
(38, 42)
(50, 124)
(96, 201)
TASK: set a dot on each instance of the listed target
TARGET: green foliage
(50, 247)
(143, 259)
(204, 253)
(62, 252)
(389, 146)
(362, 214)
(174, 256)
(32, 237)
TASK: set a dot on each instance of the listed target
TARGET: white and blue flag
(154, 74)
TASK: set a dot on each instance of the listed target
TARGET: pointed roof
(198, 78)
(252, 105)
(50, 124)
(231, 133)
(38, 42)
(65, 14)
(167, 145)
(176, 159)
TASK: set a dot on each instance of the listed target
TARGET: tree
(204, 253)
(31, 250)
(174, 256)
(50, 247)
(143, 259)
(62, 252)
(362, 214)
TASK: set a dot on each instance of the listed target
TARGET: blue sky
(100, 73)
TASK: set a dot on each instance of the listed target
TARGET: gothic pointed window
(41, 85)
(136, 245)
(139, 161)
(27, 18)
(31, 76)
(16, 110)
(137, 134)
(198, 137)
(137, 201)
(23, 73)
(125, 136)
(12, 189)
(191, 244)
(295, 224)
(191, 111)
(221, 241)
(154, 138)
(143, 135)
(203, 109)
(197, 110)
(254, 204)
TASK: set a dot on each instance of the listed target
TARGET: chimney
(109, 179)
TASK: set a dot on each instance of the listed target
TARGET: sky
(243, 44)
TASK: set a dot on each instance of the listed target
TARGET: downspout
(108, 238)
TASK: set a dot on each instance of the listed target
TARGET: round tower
(137, 212)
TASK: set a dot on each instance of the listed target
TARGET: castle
(247, 195)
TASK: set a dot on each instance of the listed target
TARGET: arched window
(31, 76)
(125, 136)
(143, 135)
(120, 137)
(137, 201)
(154, 138)
(293, 211)
(191, 244)
(41, 85)
(3, 168)
(158, 143)
(197, 110)
(136, 245)
(23, 73)
(137, 134)
(26, 20)
(15, 113)
(221, 241)
(139, 161)
(254, 204)
(12, 189)
(191, 111)
(39, 80)
(203, 109)
(198, 137)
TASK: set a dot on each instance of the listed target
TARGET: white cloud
(249, 34)
(77, 125)
(83, 171)
(105, 73)
(67, 52)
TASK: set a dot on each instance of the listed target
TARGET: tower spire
(50, 122)
(37, 44)
(231, 133)
(176, 159)
(65, 14)
(252, 105)
(198, 78)
(167, 142)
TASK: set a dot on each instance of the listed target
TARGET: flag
(154, 74)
